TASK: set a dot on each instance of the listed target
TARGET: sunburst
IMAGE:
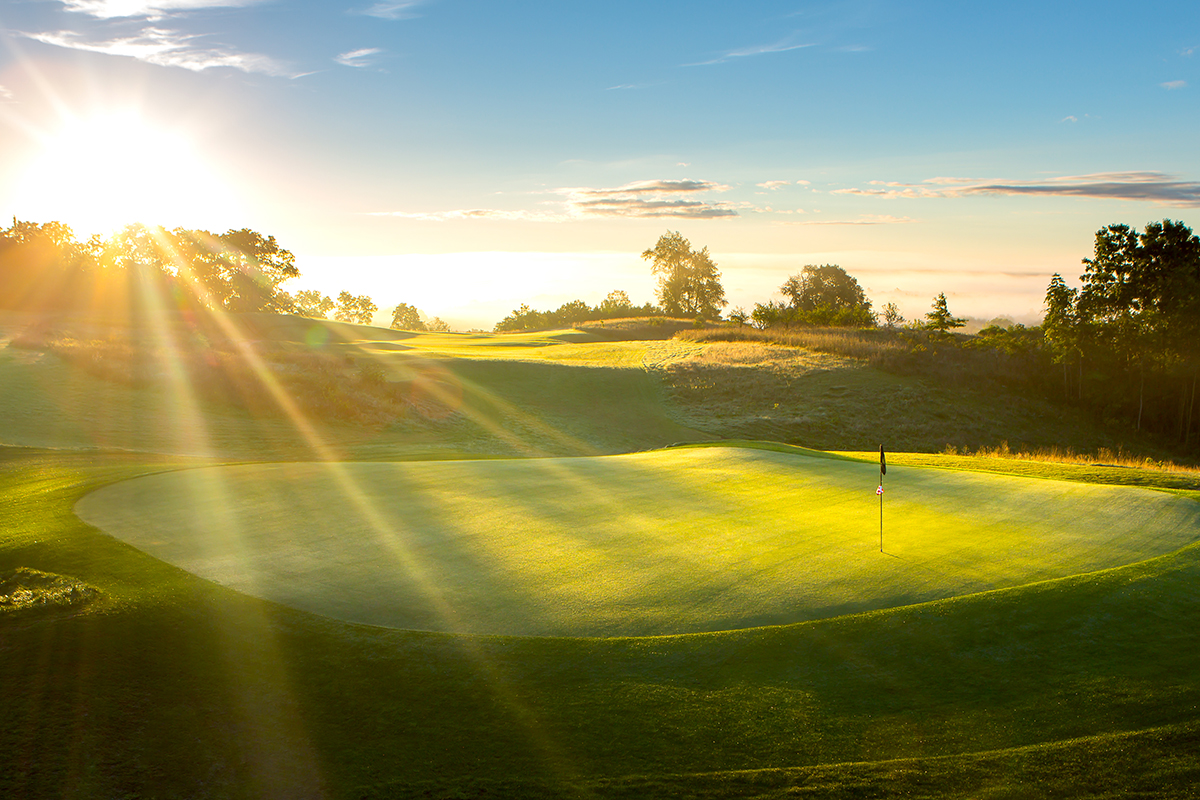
(100, 172)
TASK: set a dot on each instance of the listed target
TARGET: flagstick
(879, 491)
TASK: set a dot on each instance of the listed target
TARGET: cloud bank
(642, 199)
(1155, 187)
(648, 199)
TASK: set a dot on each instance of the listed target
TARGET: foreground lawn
(166, 685)
(677, 541)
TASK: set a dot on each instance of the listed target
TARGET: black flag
(882, 462)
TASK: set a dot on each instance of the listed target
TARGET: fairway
(675, 541)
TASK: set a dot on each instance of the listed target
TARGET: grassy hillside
(749, 390)
(123, 676)
(374, 393)
(521, 394)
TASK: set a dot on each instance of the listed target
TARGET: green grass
(165, 685)
(678, 541)
(170, 686)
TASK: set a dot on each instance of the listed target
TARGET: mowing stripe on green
(674, 541)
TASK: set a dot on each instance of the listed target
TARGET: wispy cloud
(357, 58)
(647, 199)
(474, 213)
(166, 48)
(644, 208)
(757, 50)
(1173, 84)
(152, 9)
(393, 9)
(641, 199)
(865, 219)
(630, 86)
(1153, 187)
(772, 185)
(6, 94)
(641, 188)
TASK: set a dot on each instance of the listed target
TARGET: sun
(101, 172)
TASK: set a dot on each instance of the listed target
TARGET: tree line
(1127, 342)
(43, 267)
(616, 305)
(689, 285)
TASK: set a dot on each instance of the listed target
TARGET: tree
(689, 283)
(239, 270)
(407, 318)
(437, 325)
(739, 316)
(617, 304)
(1140, 306)
(572, 312)
(358, 309)
(827, 286)
(892, 318)
(43, 267)
(771, 314)
(311, 303)
(940, 319)
(522, 319)
(1060, 327)
(255, 266)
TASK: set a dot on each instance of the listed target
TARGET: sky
(468, 157)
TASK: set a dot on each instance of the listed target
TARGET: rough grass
(752, 390)
(641, 328)
(679, 541)
(876, 346)
(1067, 455)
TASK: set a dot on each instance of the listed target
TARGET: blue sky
(468, 156)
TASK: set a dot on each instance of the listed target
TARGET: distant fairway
(685, 540)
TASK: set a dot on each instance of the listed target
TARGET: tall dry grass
(627, 329)
(874, 346)
(1103, 456)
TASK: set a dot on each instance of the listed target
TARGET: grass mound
(25, 589)
(686, 540)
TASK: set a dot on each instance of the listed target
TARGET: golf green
(675, 541)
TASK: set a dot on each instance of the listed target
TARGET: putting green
(667, 542)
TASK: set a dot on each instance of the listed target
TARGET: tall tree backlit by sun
(689, 283)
